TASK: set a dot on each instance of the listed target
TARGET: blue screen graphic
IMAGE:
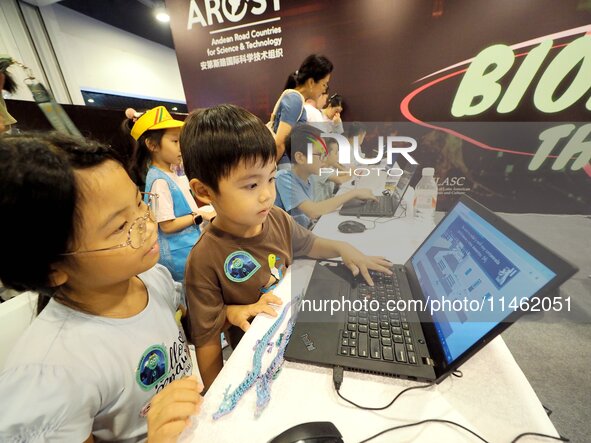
(466, 258)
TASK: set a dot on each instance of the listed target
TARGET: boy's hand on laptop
(365, 194)
(358, 262)
(239, 315)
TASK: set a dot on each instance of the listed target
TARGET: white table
(494, 398)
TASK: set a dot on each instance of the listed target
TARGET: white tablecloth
(494, 399)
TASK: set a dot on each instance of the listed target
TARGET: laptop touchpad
(328, 290)
(324, 301)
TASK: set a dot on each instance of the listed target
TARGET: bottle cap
(428, 172)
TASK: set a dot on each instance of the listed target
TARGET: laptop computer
(474, 259)
(386, 205)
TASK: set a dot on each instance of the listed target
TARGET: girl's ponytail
(291, 81)
(138, 156)
(314, 66)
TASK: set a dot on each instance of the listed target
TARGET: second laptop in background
(386, 205)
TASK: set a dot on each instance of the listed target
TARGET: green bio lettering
(480, 89)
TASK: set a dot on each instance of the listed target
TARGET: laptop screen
(472, 277)
(404, 181)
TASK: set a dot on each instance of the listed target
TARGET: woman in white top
(313, 108)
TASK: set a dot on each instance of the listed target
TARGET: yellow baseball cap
(156, 118)
(5, 117)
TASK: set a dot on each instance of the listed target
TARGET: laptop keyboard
(383, 204)
(378, 335)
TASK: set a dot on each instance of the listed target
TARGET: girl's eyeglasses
(136, 235)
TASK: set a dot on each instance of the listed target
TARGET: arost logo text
(209, 12)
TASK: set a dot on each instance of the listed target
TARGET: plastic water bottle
(408, 202)
(426, 197)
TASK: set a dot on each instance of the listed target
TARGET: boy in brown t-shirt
(229, 157)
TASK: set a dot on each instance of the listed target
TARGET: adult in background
(313, 108)
(309, 81)
(332, 113)
(6, 84)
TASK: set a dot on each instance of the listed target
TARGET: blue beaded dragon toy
(263, 381)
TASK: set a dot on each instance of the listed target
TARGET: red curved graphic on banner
(405, 110)
(558, 35)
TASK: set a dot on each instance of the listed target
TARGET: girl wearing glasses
(156, 153)
(104, 359)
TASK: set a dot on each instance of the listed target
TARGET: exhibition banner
(508, 83)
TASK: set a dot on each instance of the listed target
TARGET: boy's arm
(353, 258)
(209, 360)
(305, 243)
(315, 209)
(340, 179)
(206, 311)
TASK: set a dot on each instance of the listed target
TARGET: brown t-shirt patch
(223, 269)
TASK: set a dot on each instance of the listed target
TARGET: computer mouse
(311, 432)
(351, 226)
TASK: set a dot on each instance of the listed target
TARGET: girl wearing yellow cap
(157, 150)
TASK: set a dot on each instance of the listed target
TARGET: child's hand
(357, 262)
(365, 194)
(171, 408)
(238, 315)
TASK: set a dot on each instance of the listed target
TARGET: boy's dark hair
(38, 204)
(217, 139)
(334, 101)
(314, 66)
(137, 158)
(299, 138)
(354, 129)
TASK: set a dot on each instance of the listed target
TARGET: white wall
(16, 42)
(95, 56)
(100, 57)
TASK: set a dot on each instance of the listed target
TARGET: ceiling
(134, 16)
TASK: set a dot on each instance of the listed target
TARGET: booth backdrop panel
(405, 60)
